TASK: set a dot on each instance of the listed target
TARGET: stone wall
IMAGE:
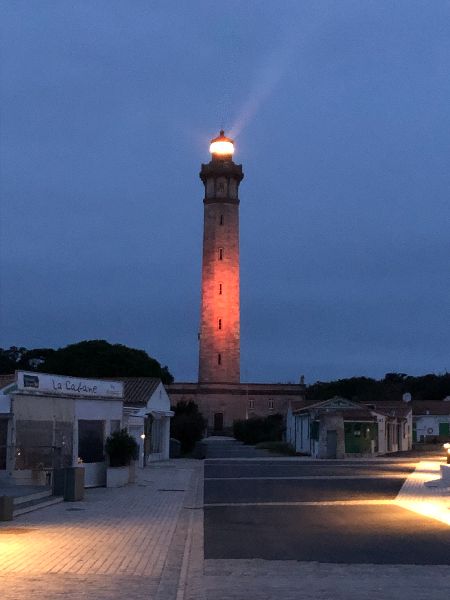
(329, 423)
(237, 401)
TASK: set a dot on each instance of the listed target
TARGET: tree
(187, 425)
(98, 358)
(391, 387)
(15, 358)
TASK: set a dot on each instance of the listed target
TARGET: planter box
(94, 474)
(117, 476)
(132, 472)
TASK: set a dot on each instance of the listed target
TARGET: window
(219, 359)
(270, 404)
(314, 430)
(219, 324)
(90, 440)
(251, 404)
(115, 425)
(221, 219)
(220, 253)
(220, 289)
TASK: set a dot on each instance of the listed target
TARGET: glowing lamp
(142, 436)
(447, 447)
(222, 145)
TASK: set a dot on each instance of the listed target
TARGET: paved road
(330, 512)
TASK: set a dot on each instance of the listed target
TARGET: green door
(444, 429)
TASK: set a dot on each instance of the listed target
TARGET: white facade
(393, 432)
(150, 426)
(431, 426)
(45, 416)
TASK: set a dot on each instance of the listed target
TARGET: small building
(147, 417)
(339, 428)
(431, 420)
(52, 421)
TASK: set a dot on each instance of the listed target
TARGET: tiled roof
(391, 408)
(357, 415)
(358, 410)
(298, 404)
(137, 390)
(431, 407)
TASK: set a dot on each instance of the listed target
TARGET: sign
(68, 386)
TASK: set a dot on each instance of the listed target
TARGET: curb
(179, 569)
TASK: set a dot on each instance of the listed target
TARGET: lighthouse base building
(221, 404)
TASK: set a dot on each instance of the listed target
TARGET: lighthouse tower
(219, 357)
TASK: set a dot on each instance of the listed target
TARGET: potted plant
(122, 449)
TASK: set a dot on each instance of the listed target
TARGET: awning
(145, 412)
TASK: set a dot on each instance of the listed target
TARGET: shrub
(277, 448)
(122, 448)
(260, 429)
(187, 425)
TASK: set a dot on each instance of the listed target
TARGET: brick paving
(116, 542)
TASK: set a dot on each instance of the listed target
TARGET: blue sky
(341, 115)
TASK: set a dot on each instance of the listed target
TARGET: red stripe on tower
(219, 356)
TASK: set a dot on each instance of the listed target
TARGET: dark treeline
(391, 387)
(90, 358)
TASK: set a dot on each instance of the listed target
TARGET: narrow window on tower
(270, 404)
(219, 324)
(220, 253)
(221, 219)
(219, 359)
(220, 289)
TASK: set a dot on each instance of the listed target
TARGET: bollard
(6, 508)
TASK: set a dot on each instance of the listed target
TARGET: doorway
(331, 443)
(91, 452)
(218, 421)
(3, 442)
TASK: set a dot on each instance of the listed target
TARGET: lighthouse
(219, 335)
(219, 393)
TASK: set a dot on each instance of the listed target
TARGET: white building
(339, 428)
(53, 421)
(147, 416)
(431, 421)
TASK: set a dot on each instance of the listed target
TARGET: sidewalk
(424, 494)
(132, 542)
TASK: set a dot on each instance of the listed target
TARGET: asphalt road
(322, 511)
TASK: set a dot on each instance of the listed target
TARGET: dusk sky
(341, 116)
